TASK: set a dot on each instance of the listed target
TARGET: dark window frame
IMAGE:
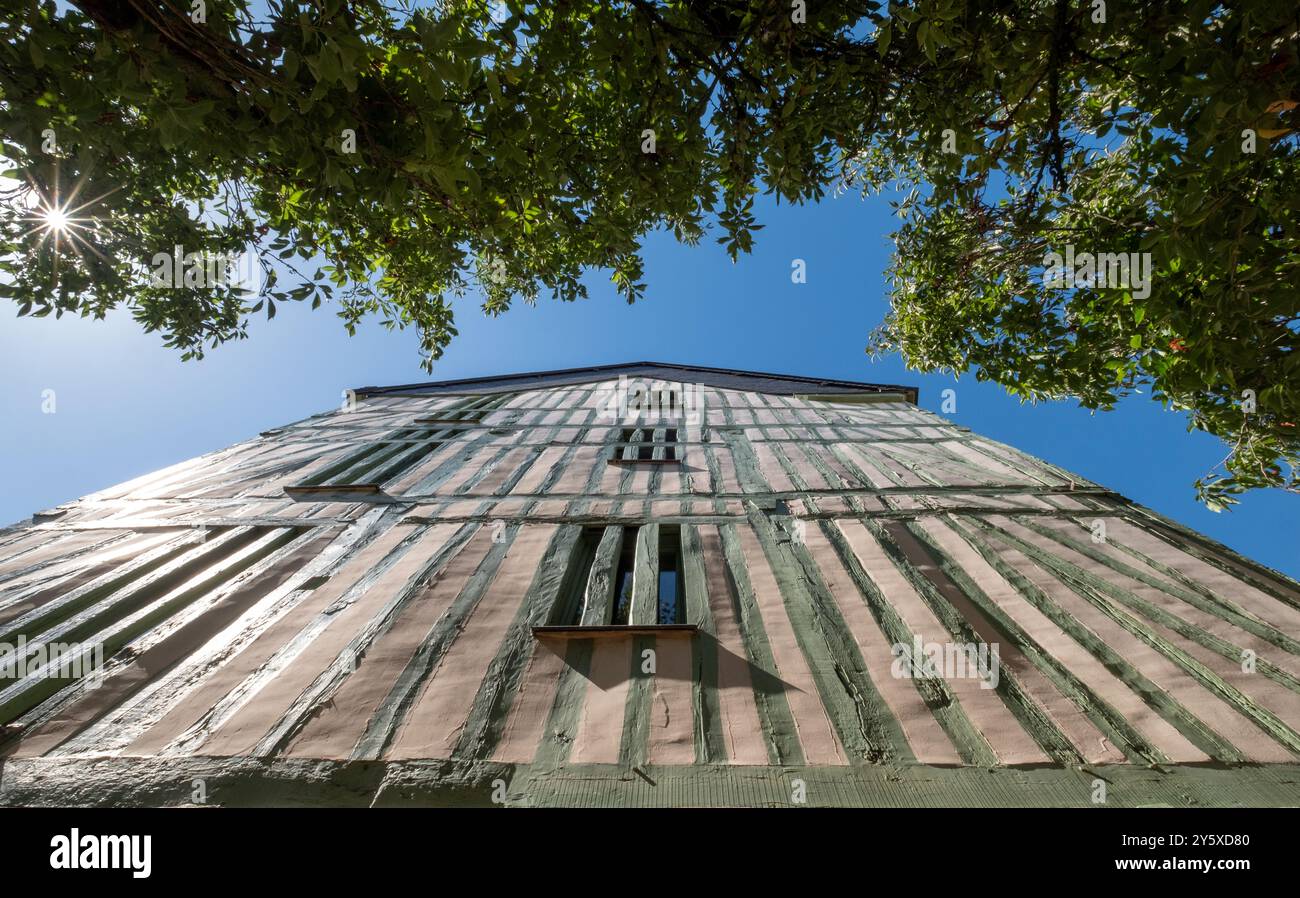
(671, 612)
(667, 451)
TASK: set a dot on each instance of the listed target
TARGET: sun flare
(55, 219)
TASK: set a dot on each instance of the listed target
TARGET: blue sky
(126, 405)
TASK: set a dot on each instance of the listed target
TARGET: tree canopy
(416, 150)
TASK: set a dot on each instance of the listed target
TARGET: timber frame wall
(355, 609)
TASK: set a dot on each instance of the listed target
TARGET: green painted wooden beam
(645, 578)
(598, 600)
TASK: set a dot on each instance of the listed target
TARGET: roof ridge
(559, 374)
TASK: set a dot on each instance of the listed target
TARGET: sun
(59, 222)
(55, 219)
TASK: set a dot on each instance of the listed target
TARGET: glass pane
(623, 578)
(667, 596)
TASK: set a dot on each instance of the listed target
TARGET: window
(571, 599)
(622, 579)
(647, 444)
(672, 604)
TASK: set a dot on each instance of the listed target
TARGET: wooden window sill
(614, 631)
(645, 461)
(334, 489)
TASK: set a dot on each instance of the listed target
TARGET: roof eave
(783, 384)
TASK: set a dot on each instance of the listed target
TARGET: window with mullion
(647, 444)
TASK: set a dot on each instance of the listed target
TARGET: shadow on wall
(731, 668)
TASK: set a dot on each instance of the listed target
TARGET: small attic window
(647, 444)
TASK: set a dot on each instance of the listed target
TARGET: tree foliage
(416, 150)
